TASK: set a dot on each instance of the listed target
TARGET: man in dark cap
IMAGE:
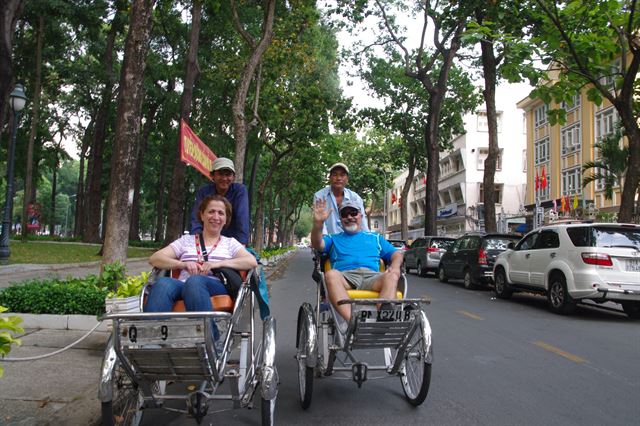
(223, 174)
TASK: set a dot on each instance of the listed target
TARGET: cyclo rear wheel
(125, 406)
(305, 373)
(415, 372)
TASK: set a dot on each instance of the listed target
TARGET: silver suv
(424, 254)
(569, 262)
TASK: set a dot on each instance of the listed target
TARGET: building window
(605, 123)
(497, 189)
(540, 115)
(571, 138)
(376, 225)
(541, 151)
(457, 195)
(573, 104)
(483, 123)
(483, 153)
(571, 181)
(609, 80)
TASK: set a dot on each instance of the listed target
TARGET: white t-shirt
(185, 250)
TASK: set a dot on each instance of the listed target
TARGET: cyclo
(149, 351)
(326, 344)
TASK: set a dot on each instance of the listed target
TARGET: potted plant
(124, 292)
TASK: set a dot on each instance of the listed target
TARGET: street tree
(593, 46)
(497, 27)
(257, 46)
(444, 23)
(123, 159)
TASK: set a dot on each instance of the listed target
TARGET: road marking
(559, 351)
(470, 315)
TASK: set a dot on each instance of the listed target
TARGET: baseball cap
(348, 204)
(221, 163)
(340, 165)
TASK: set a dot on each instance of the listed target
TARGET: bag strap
(205, 255)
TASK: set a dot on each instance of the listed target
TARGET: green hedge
(58, 297)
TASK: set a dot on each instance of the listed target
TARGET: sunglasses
(349, 213)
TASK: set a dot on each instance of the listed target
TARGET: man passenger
(355, 256)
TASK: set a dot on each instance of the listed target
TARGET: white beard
(351, 228)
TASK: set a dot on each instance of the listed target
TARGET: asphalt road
(496, 363)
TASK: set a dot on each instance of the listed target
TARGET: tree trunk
(134, 229)
(625, 106)
(93, 200)
(160, 201)
(489, 70)
(28, 197)
(78, 229)
(175, 217)
(404, 220)
(240, 124)
(123, 160)
(9, 13)
(54, 189)
(632, 176)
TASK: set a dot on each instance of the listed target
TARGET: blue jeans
(196, 292)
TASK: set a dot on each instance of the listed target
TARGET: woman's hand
(192, 268)
(206, 267)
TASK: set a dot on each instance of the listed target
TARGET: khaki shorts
(361, 278)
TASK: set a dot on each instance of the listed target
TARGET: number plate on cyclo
(386, 315)
(143, 332)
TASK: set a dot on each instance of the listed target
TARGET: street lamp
(17, 101)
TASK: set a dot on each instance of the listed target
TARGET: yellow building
(558, 152)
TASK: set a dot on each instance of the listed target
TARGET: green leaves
(59, 297)
(8, 326)
(131, 286)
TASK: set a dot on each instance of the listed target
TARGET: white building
(460, 192)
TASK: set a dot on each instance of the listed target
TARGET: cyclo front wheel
(125, 406)
(305, 373)
(269, 373)
(416, 367)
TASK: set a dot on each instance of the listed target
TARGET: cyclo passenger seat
(357, 294)
(222, 302)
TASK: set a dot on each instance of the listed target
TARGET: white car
(569, 262)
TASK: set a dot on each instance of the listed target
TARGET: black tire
(469, 282)
(632, 309)
(442, 276)
(305, 373)
(558, 297)
(415, 371)
(124, 408)
(267, 411)
(421, 271)
(501, 287)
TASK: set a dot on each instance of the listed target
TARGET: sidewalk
(62, 389)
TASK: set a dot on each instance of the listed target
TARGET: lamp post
(17, 101)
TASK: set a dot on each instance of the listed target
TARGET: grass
(49, 252)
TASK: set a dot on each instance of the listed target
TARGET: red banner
(194, 152)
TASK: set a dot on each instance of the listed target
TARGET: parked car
(471, 258)
(571, 262)
(424, 254)
(401, 244)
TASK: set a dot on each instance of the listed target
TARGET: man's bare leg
(337, 287)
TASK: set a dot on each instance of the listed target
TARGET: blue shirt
(239, 199)
(333, 225)
(360, 250)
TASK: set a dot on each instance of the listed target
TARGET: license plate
(153, 332)
(633, 265)
(385, 315)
